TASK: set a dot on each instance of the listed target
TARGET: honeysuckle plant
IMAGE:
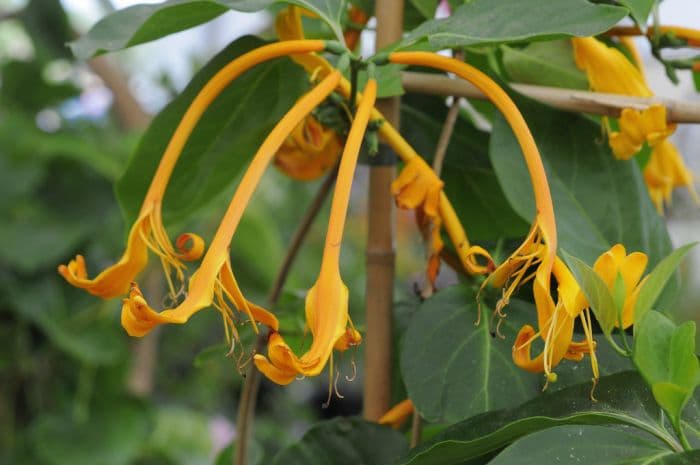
(567, 260)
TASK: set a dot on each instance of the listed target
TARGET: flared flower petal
(146, 234)
(665, 171)
(327, 301)
(214, 282)
(309, 152)
(640, 127)
(608, 69)
(630, 268)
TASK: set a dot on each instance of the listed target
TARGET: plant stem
(416, 428)
(249, 394)
(380, 242)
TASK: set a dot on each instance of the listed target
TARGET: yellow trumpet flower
(608, 70)
(665, 171)
(148, 232)
(309, 152)
(327, 301)
(214, 282)
(630, 268)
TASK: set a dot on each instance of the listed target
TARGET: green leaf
(496, 21)
(548, 63)
(345, 441)
(113, 435)
(596, 291)
(639, 9)
(426, 7)
(622, 399)
(453, 369)
(255, 454)
(470, 181)
(696, 80)
(143, 23)
(84, 332)
(598, 201)
(225, 138)
(587, 444)
(665, 356)
(657, 279)
(182, 436)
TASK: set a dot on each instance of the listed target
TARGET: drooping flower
(555, 322)
(665, 171)
(615, 262)
(608, 70)
(309, 152)
(148, 232)
(540, 245)
(357, 18)
(327, 301)
(214, 282)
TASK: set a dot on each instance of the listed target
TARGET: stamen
(335, 385)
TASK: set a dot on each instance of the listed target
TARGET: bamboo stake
(380, 241)
(598, 103)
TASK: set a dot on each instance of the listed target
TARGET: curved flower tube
(327, 301)
(148, 231)
(289, 27)
(214, 278)
(540, 246)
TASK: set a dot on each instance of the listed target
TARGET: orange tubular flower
(357, 20)
(539, 247)
(398, 414)
(327, 301)
(148, 231)
(309, 152)
(214, 281)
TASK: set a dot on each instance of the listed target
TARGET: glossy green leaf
(639, 9)
(453, 369)
(225, 139)
(113, 435)
(665, 356)
(659, 276)
(622, 399)
(598, 201)
(588, 444)
(493, 21)
(345, 441)
(596, 291)
(142, 23)
(548, 63)
(470, 181)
